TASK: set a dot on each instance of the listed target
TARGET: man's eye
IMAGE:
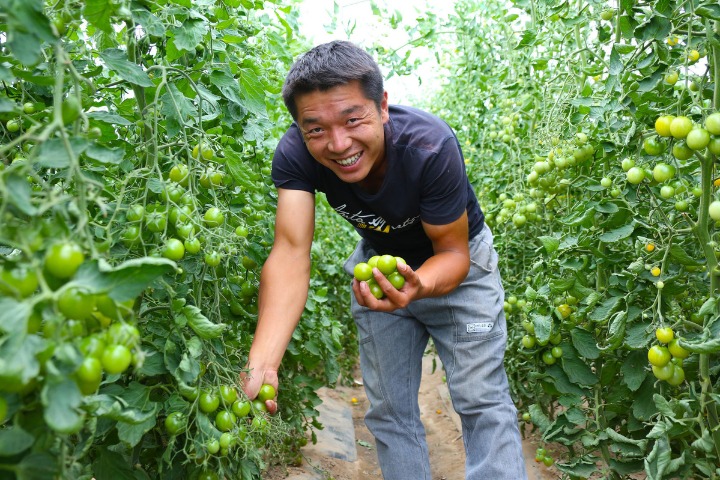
(353, 120)
(314, 131)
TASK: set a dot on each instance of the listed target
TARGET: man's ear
(384, 113)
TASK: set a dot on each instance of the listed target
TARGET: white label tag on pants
(481, 327)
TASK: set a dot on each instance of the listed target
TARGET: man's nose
(340, 141)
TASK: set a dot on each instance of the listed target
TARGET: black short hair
(329, 65)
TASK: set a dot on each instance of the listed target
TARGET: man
(397, 174)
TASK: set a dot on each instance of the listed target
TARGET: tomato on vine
(658, 355)
(175, 423)
(63, 259)
(664, 334)
(116, 358)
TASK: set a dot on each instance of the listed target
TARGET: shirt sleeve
(292, 164)
(444, 194)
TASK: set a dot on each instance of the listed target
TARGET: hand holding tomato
(394, 298)
(258, 383)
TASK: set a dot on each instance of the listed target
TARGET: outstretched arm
(284, 283)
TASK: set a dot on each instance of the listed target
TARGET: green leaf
(117, 61)
(543, 327)
(110, 118)
(14, 315)
(20, 193)
(109, 465)
(562, 382)
(618, 233)
(711, 345)
(18, 362)
(658, 460)
(177, 109)
(643, 406)
(657, 28)
(710, 10)
(550, 243)
(105, 155)
(61, 398)
(679, 254)
(538, 417)
(54, 154)
(633, 370)
(576, 369)
(14, 440)
(584, 342)
(529, 38)
(190, 34)
(605, 309)
(125, 281)
(253, 92)
(37, 466)
(97, 13)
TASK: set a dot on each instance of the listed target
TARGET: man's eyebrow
(347, 111)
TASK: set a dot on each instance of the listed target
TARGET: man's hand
(254, 379)
(394, 298)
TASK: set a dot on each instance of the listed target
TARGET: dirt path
(442, 425)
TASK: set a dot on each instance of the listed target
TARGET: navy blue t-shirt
(425, 180)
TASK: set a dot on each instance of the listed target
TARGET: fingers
(392, 298)
(252, 385)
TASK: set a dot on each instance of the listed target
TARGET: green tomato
(174, 249)
(680, 127)
(212, 446)
(175, 423)
(267, 392)
(396, 280)
(192, 245)
(714, 210)
(116, 358)
(664, 372)
(664, 334)
(227, 440)
(135, 213)
(548, 358)
(212, 259)
(663, 172)
(658, 355)
(653, 146)
(76, 304)
(12, 126)
(681, 151)
(18, 281)
(528, 341)
(208, 401)
(698, 138)
(213, 217)
(677, 377)
(180, 174)
(225, 420)
(387, 264)
(635, 175)
(712, 123)
(241, 408)
(363, 272)
(676, 350)
(63, 259)
(228, 393)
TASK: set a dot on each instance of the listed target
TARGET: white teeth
(349, 161)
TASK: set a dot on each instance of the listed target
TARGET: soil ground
(442, 426)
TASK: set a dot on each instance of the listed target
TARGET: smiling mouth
(350, 161)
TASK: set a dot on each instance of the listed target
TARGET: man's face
(343, 130)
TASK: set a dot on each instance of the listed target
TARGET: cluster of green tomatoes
(232, 416)
(387, 265)
(666, 358)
